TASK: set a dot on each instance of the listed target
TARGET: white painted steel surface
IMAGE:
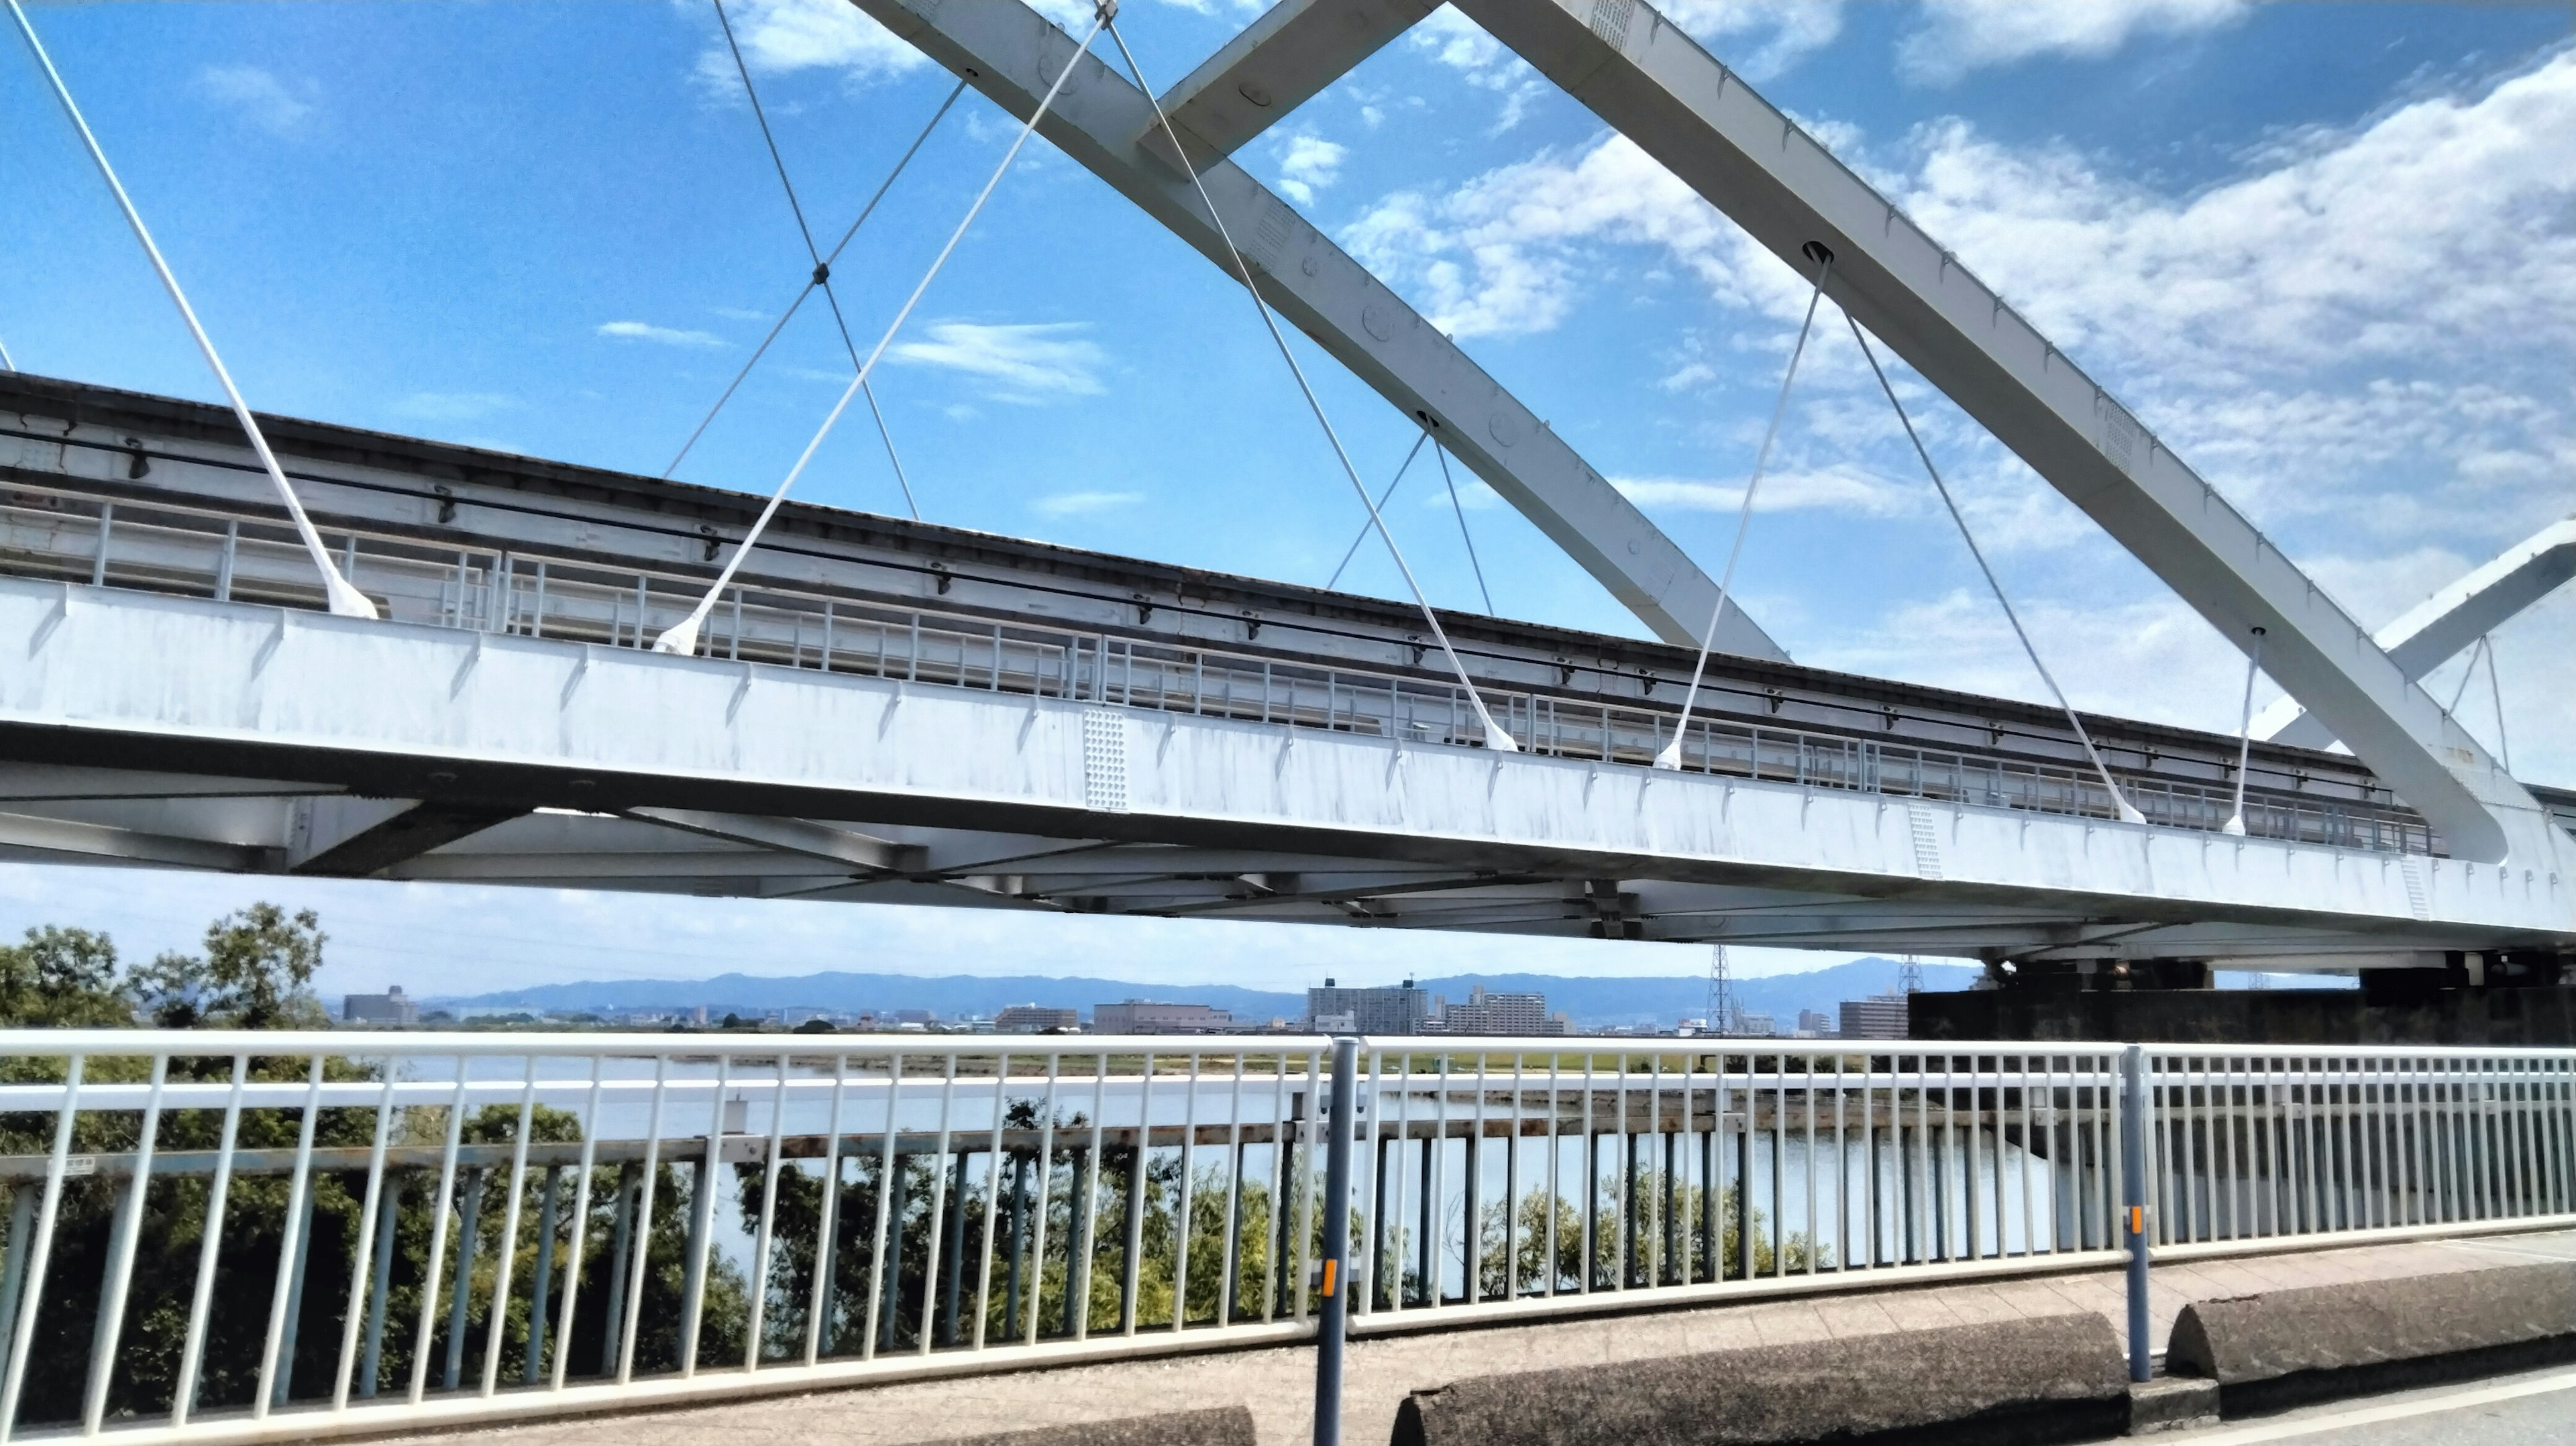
(274, 693)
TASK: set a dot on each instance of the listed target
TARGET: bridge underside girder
(248, 826)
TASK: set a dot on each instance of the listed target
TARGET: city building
(1145, 1016)
(1881, 1016)
(1497, 1014)
(1402, 1009)
(1755, 1026)
(391, 1007)
(1815, 1024)
(1035, 1019)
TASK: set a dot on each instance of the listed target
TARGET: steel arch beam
(1648, 79)
(1277, 64)
(2435, 630)
(1011, 54)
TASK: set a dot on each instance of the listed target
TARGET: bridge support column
(2133, 1196)
(1331, 1322)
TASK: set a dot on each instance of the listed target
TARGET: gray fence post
(2133, 1199)
(1329, 1325)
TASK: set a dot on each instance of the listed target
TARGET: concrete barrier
(1225, 1426)
(2050, 1378)
(2282, 1346)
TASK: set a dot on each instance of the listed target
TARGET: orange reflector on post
(1328, 1277)
(2137, 1223)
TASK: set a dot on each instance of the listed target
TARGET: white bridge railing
(241, 554)
(233, 1237)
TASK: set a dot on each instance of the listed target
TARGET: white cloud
(1022, 362)
(1778, 32)
(1308, 164)
(665, 335)
(2389, 303)
(1449, 38)
(781, 36)
(1081, 504)
(1958, 36)
(259, 96)
(1503, 254)
(1843, 487)
(2098, 649)
(1761, 38)
(452, 406)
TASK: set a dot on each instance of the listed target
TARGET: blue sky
(2328, 251)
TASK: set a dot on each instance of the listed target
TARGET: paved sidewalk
(1278, 1383)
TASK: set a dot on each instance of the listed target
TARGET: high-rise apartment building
(1399, 1009)
(391, 1007)
(1498, 1014)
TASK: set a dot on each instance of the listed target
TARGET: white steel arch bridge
(888, 711)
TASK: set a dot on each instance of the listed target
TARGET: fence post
(2133, 1197)
(1330, 1324)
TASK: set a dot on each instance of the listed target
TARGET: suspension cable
(887, 437)
(2495, 696)
(2485, 648)
(1495, 736)
(823, 272)
(1670, 755)
(2245, 738)
(2119, 801)
(682, 639)
(1459, 508)
(1354, 549)
(2468, 675)
(344, 600)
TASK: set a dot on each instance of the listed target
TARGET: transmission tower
(1909, 976)
(1721, 993)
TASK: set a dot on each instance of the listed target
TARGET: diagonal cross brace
(1010, 53)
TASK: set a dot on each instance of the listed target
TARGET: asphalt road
(2538, 1409)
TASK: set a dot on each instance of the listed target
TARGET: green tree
(256, 973)
(64, 979)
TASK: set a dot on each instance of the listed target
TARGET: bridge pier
(2512, 999)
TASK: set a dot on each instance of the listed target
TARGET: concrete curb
(2172, 1403)
(1224, 1426)
(2050, 1378)
(2281, 1347)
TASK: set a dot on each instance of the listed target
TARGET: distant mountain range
(1592, 1003)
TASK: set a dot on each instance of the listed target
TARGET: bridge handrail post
(1330, 1322)
(2133, 1198)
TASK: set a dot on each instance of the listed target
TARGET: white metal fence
(231, 553)
(2258, 1147)
(231, 1237)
